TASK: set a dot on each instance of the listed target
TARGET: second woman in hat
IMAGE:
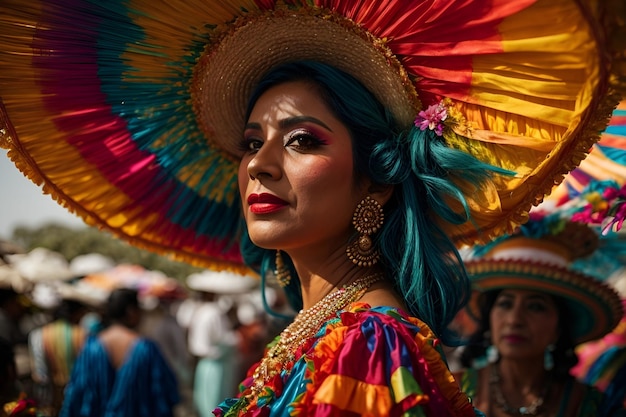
(533, 309)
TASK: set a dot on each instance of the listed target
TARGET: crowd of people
(347, 149)
(188, 353)
(128, 353)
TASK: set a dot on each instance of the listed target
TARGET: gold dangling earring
(283, 276)
(367, 219)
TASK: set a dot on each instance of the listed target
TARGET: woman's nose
(516, 315)
(266, 162)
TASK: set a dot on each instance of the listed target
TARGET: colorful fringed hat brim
(127, 111)
(595, 308)
(605, 162)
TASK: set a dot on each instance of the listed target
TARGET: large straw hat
(128, 112)
(542, 262)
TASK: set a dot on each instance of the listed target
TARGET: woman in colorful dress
(533, 309)
(348, 146)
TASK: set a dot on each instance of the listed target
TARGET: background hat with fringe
(556, 256)
(127, 111)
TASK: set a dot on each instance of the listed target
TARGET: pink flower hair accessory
(433, 118)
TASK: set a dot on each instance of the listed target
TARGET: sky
(24, 203)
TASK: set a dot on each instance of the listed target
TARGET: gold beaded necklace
(306, 324)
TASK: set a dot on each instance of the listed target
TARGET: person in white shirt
(213, 339)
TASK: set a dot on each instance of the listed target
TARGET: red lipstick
(265, 203)
(514, 339)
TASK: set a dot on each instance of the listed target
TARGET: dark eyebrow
(292, 121)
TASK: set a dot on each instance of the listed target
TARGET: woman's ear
(381, 192)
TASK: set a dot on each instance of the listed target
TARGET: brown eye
(250, 145)
(537, 307)
(303, 140)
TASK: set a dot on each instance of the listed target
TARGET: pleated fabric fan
(127, 110)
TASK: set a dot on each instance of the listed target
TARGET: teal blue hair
(420, 258)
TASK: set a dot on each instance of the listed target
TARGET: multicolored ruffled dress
(363, 361)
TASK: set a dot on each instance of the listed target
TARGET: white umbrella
(41, 265)
(90, 264)
(222, 282)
